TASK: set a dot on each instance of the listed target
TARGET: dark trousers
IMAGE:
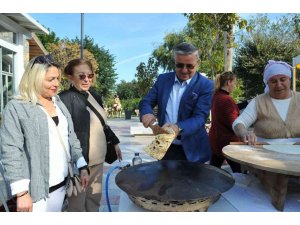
(217, 161)
(175, 152)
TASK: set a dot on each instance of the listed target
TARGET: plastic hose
(106, 182)
(106, 185)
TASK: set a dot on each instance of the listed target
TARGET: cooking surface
(260, 158)
(174, 180)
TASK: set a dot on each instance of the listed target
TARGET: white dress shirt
(172, 108)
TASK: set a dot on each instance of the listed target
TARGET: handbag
(111, 154)
(9, 206)
(73, 186)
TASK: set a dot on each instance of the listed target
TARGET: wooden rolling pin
(261, 143)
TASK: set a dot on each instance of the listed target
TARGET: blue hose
(106, 185)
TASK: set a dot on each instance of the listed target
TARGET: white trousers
(53, 203)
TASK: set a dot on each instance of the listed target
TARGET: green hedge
(130, 104)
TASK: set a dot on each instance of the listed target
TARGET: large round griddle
(171, 180)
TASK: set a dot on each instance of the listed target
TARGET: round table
(273, 168)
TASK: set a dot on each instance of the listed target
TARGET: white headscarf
(274, 68)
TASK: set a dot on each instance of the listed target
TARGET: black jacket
(76, 103)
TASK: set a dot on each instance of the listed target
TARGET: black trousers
(175, 152)
(217, 161)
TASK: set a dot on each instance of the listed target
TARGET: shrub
(130, 104)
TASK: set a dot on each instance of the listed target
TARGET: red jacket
(223, 113)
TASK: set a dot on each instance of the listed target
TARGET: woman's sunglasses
(83, 76)
(182, 65)
(45, 59)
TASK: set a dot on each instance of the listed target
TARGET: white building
(18, 44)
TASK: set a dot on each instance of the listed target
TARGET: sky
(130, 38)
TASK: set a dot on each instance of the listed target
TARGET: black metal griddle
(174, 181)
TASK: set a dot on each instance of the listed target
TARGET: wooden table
(272, 168)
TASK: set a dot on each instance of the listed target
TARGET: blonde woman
(34, 160)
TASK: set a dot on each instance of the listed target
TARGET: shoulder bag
(111, 154)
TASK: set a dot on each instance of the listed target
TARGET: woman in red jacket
(223, 112)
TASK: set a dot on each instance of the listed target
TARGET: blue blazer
(193, 111)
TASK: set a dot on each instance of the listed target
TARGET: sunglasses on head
(45, 59)
(83, 76)
(182, 65)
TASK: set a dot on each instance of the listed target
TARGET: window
(6, 76)
(7, 35)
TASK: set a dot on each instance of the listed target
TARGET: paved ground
(129, 145)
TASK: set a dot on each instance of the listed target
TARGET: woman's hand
(250, 137)
(246, 136)
(24, 202)
(118, 152)
(84, 177)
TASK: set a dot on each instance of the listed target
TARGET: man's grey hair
(185, 48)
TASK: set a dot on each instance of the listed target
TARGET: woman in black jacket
(89, 131)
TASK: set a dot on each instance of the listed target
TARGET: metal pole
(294, 78)
(296, 63)
(82, 29)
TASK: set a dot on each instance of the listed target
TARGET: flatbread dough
(283, 148)
(159, 146)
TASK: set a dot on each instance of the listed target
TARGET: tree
(146, 75)
(212, 33)
(102, 60)
(51, 38)
(296, 23)
(106, 73)
(127, 90)
(64, 51)
(268, 40)
(210, 58)
(210, 29)
(164, 54)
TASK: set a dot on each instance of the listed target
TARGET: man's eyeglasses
(45, 59)
(83, 76)
(182, 65)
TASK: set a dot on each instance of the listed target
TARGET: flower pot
(128, 114)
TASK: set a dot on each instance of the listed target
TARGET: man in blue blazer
(183, 98)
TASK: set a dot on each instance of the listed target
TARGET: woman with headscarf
(274, 114)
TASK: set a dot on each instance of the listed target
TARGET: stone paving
(129, 145)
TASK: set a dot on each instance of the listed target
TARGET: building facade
(18, 44)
